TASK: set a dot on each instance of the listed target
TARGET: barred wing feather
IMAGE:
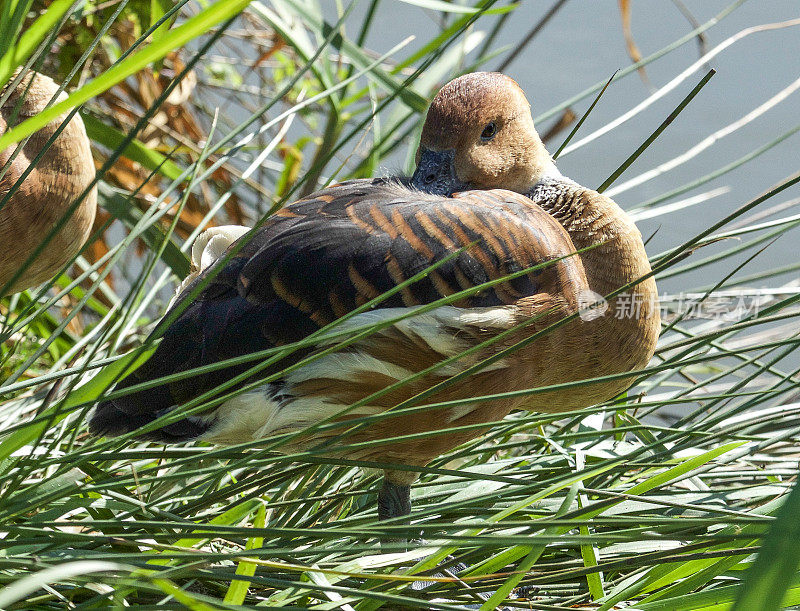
(320, 258)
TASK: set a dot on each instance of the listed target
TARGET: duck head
(479, 134)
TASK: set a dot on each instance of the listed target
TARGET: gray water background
(584, 44)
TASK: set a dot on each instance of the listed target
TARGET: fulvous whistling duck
(64, 171)
(484, 183)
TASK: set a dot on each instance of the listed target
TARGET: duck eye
(489, 132)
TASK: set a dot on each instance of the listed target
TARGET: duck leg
(394, 500)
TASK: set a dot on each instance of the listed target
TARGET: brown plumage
(43, 198)
(324, 256)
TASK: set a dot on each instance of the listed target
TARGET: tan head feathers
(484, 118)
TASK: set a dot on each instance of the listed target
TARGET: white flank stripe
(259, 413)
(346, 366)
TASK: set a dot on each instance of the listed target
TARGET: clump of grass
(661, 498)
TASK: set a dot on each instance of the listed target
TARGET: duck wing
(322, 257)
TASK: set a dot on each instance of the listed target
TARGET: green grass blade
(651, 138)
(717, 599)
(238, 588)
(194, 27)
(584, 117)
(26, 586)
(88, 392)
(33, 36)
(771, 576)
(135, 150)
(119, 204)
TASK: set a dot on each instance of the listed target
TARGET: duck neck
(615, 254)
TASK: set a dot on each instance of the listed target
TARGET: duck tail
(109, 420)
(128, 413)
(112, 420)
